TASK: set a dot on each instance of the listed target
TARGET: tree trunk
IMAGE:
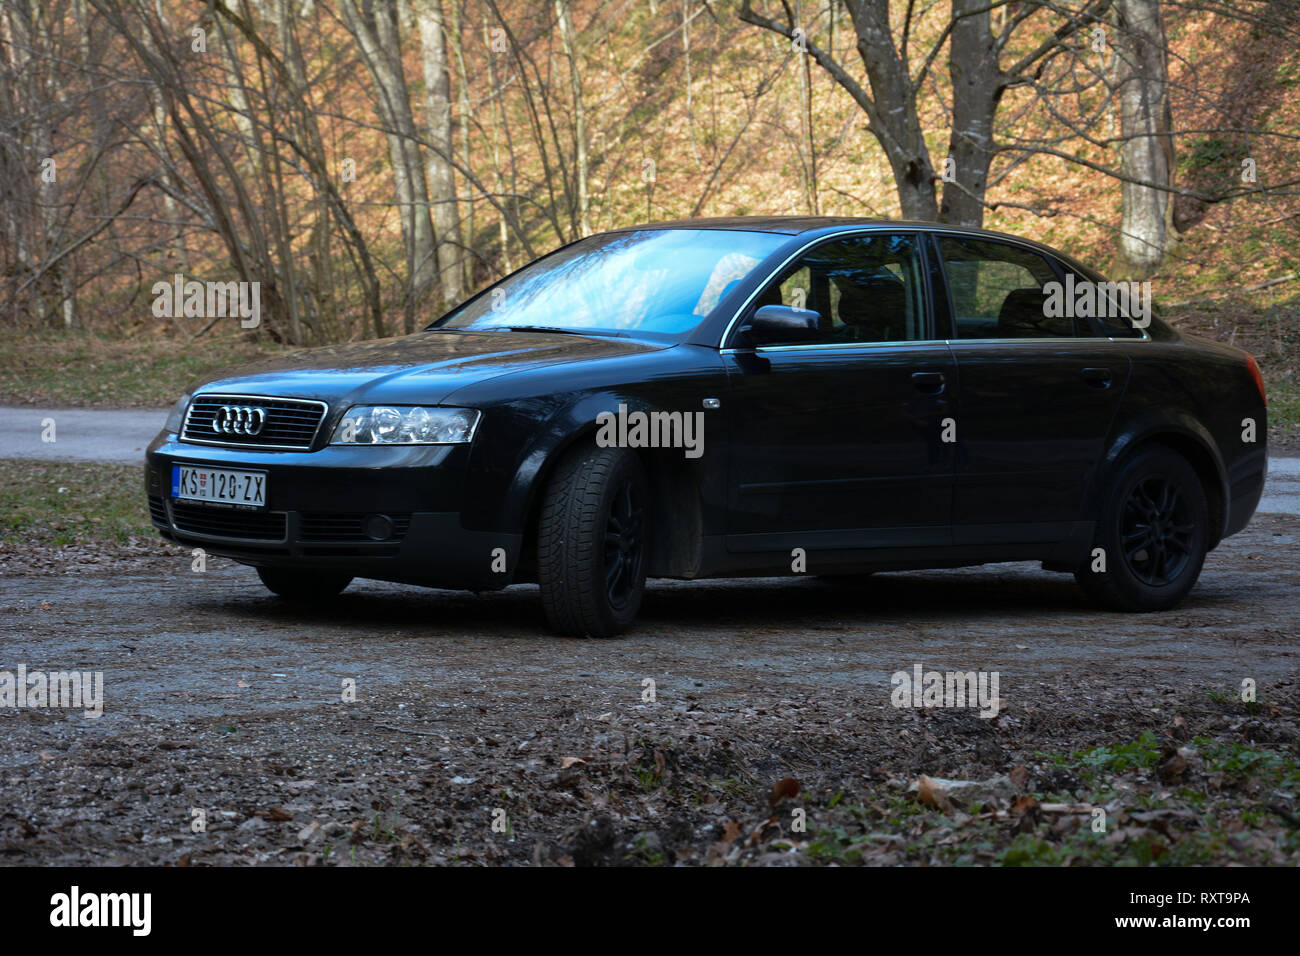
(893, 117)
(376, 31)
(579, 116)
(442, 175)
(977, 85)
(807, 131)
(452, 31)
(1146, 151)
(501, 128)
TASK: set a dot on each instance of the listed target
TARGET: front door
(836, 443)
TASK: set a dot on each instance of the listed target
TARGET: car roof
(788, 225)
(797, 225)
(827, 225)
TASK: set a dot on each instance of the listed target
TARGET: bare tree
(564, 18)
(1146, 123)
(376, 30)
(891, 98)
(441, 171)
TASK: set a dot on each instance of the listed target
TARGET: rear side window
(864, 288)
(997, 291)
(1112, 312)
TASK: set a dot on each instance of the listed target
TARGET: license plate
(219, 485)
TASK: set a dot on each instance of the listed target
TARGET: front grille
(157, 511)
(290, 422)
(229, 523)
(346, 527)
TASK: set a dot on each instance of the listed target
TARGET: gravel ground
(475, 737)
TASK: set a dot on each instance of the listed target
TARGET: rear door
(1038, 393)
(836, 443)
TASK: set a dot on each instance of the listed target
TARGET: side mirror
(781, 323)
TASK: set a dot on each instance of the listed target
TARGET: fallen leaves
(1175, 763)
(785, 789)
(695, 785)
(945, 795)
(1027, 813)
(1025, 804)
(933, 794)
(719, 849)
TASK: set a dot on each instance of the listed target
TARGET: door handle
(1097, 377)
(931, 382)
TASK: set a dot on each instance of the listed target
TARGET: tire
(592, 542)
(1154, 531)
(297, 585)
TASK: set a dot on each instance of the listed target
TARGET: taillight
(1259, 379)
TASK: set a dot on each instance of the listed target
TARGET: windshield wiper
(553, 328)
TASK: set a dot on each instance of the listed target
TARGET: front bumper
(316, 509)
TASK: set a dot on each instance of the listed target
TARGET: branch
(51, 261)
(1089, 14)
(824, 60)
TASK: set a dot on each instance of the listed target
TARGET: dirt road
(224, 705)
(404, 725)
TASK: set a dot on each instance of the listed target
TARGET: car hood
(423, 368)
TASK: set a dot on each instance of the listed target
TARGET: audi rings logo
(239, 420)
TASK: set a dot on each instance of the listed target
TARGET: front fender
(507, 472)
(526, 429)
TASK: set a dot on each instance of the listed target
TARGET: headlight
(405, 425)
(176, 417)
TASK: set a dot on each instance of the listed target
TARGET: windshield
(648, 280)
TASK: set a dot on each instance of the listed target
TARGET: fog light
(377, 527)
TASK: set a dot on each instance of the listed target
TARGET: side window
(1110, 309)
(795, 288)
(997, 291)
(864, 288)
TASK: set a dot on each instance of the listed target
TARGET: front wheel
(592, 542)
(1152, 536)
(298, 585)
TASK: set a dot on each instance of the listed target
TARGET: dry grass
(82, 370)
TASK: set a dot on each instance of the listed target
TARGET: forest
(370, 164)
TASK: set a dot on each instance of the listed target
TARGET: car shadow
(897, 596)
(1009, 592)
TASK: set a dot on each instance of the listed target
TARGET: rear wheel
(592, 542)
(1153, 535)
(298, 585)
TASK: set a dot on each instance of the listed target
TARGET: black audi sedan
(749, 396)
